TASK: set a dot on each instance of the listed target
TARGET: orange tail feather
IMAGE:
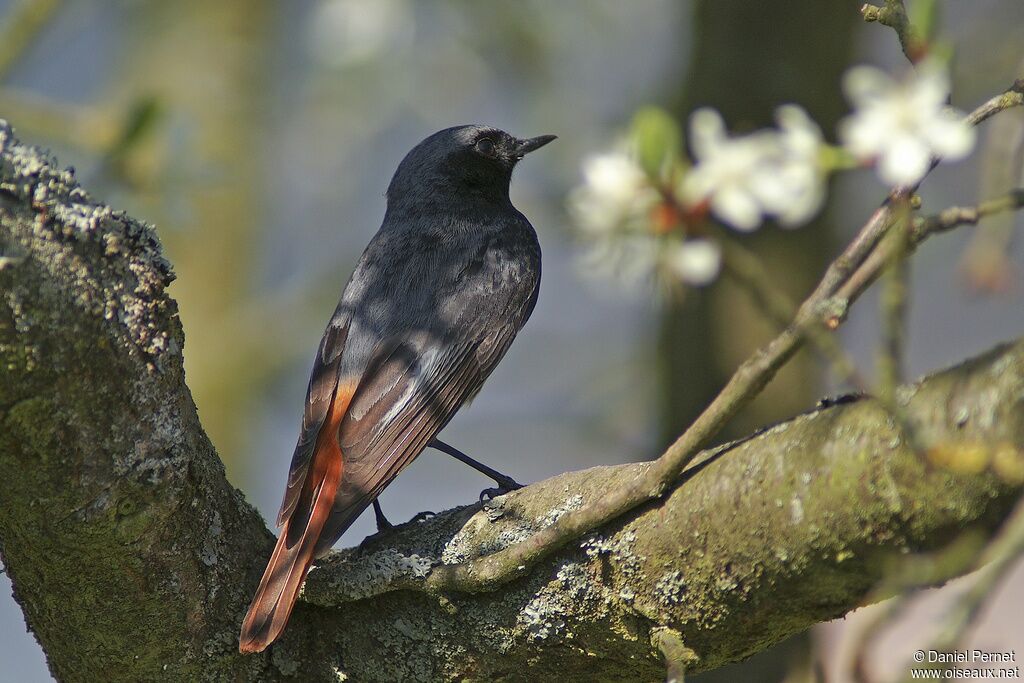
(272, 605)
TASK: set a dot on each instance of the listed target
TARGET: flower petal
(905, 162)
(800, 134)
(949, 135)
(695, 261)
(707, 132)
(737, 207)
(865, 83)
(866, 133)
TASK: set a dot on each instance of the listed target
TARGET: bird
(433, 304)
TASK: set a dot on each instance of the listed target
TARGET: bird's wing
(406, 397)
(403, 399)
(323, 382)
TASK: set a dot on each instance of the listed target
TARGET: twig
(884, 614)
(821, 307)
(22, 26)
(956, 216)
(1014, 97)
(992, 567)
(894, 15)
(747, 270)
(986, 263)
(894, 307)
(921, 229)
(855, 274)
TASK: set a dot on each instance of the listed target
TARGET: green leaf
(657, 139)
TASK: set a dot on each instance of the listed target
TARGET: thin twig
(865, 637)
(678, 657)
(822, 307)
(956, 216)
(848, 280)
(894, 15)
(894, 307)
(986, 262)
(747, 270)
(1014, 97)
(921, 229)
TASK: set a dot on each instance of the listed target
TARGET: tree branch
(134, 559)
(130, 554)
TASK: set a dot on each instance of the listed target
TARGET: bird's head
(463, 161)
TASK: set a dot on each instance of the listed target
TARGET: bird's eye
(485, 146)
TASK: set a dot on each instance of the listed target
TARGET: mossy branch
(133, 558)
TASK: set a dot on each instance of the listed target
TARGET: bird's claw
(504, 486)
(384, 526)
(374, 537)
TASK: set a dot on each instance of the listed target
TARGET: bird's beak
(524, 147)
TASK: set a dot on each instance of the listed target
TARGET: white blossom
(725, 170)
(694, 261)
(797, 169)
(628, 257)
(903, 124)
(612, 209)
(638, 259)
(744, 178)
(615, 193)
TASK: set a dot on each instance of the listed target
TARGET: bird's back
(450, 282)
(428, 315)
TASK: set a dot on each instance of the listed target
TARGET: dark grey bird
(433, 305)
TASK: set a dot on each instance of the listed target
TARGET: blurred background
(259, 138)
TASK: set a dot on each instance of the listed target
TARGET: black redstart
(433, 305)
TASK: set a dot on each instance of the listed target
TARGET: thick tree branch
(133, 558)
(131, 555)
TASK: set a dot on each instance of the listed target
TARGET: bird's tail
(297, 544)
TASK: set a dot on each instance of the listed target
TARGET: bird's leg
(383, 525)
(505, 483)
(382, 522)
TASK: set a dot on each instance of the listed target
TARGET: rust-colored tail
(296, 546)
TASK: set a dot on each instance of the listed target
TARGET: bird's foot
(384, 527)
(504, 485)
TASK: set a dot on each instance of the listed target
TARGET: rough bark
(134, 558)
